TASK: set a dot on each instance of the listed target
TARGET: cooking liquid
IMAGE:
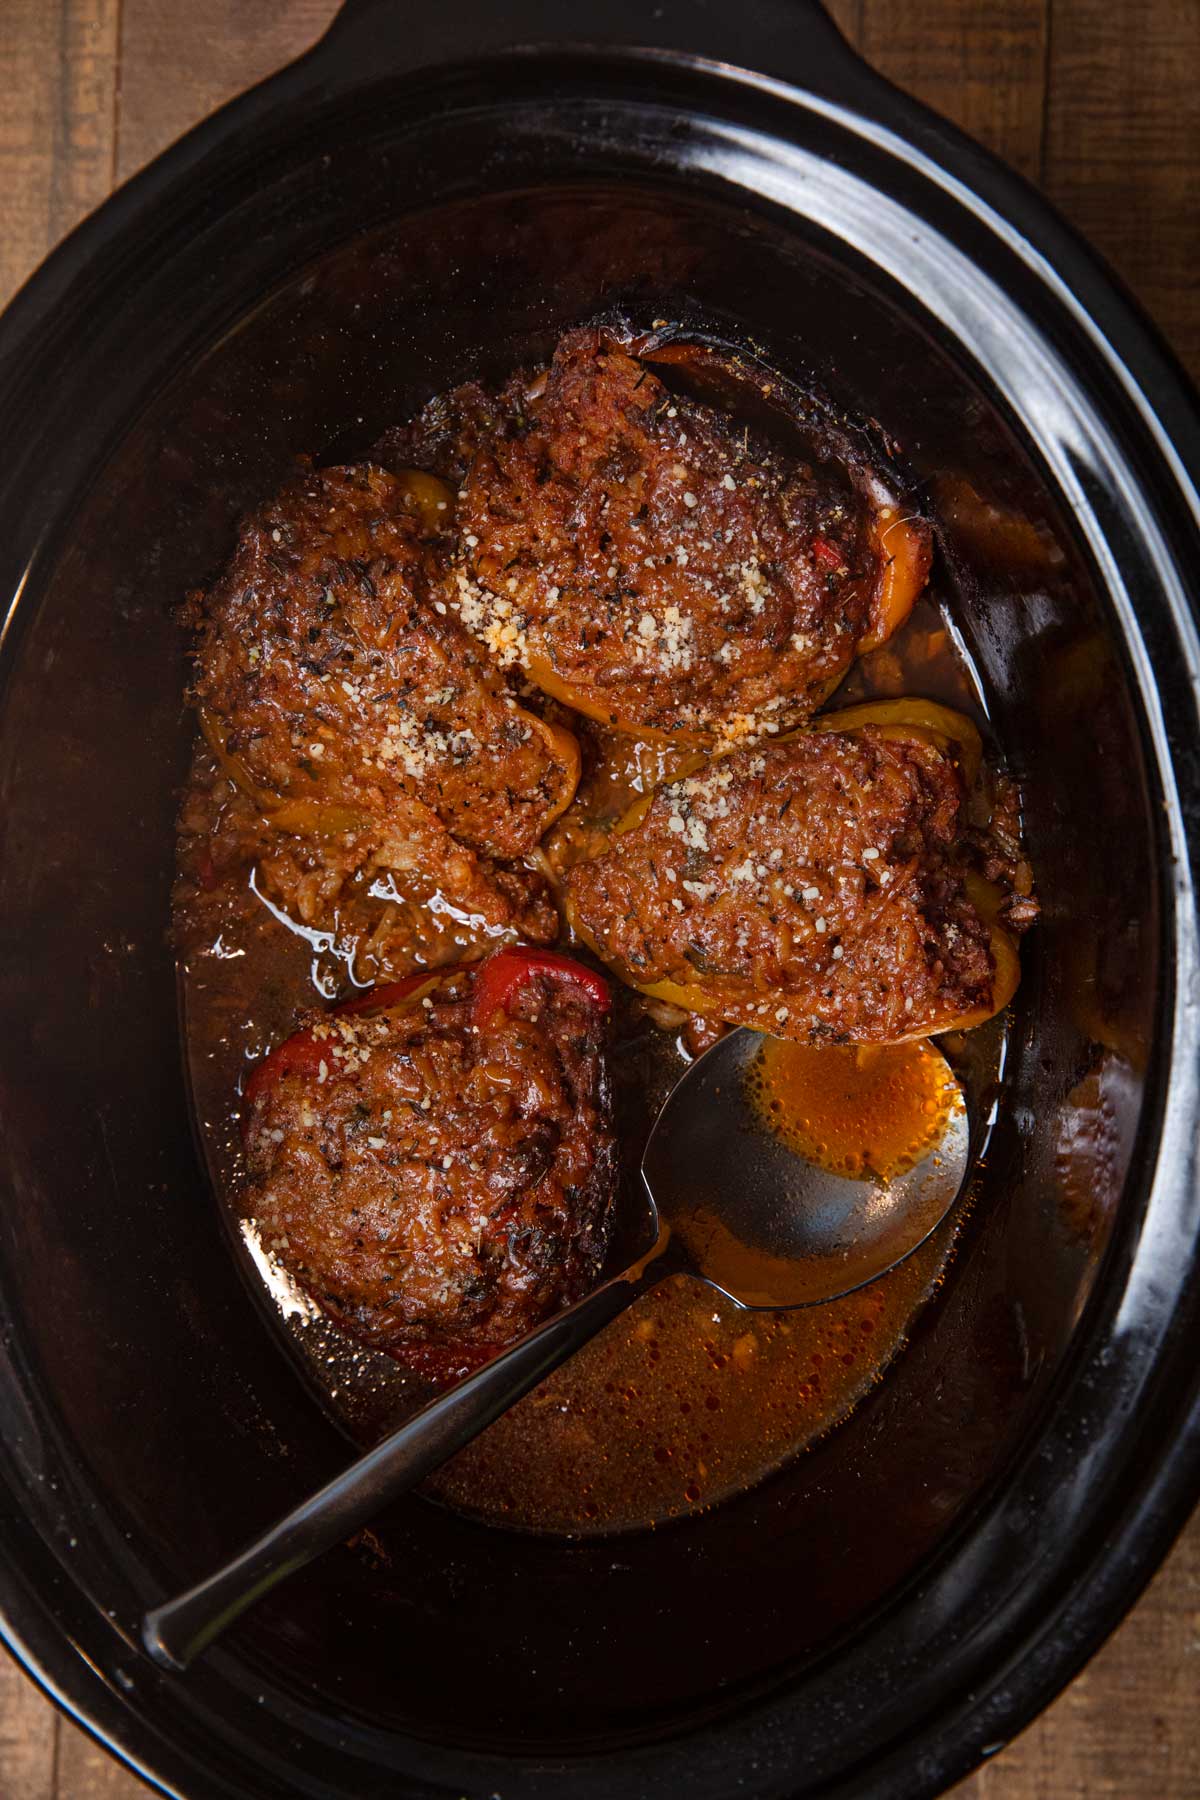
(682, 1403)
(686, 1399)
(855, 1109)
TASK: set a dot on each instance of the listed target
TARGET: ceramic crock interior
(184, 1418)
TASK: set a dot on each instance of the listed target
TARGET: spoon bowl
(726, 1201)
(766, 1226)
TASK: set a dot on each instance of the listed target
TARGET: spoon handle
(180, 1629)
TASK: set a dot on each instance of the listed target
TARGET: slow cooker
(425, 196)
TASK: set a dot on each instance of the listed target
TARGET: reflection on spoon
(772, 1226)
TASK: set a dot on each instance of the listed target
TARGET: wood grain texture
(1096, 98)
(1128, 1727)
(58, 76)
(982, 66)
(1122, 146)
(30, 1730)
(181, 59)
(83, 1771)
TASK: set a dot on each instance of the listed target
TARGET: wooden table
(1096, 100)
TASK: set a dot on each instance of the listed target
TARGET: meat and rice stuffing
(659, 568)
(810, 888)
(373, 742)
(435, 1163)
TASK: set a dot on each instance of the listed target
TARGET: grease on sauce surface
(858, 1110)
(682, 1403)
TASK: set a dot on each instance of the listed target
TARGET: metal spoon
(726, 1201)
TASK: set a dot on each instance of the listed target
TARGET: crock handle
(794, 40)
(178, 1630)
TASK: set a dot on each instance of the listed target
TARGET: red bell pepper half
(303, 1054)
(506, 972)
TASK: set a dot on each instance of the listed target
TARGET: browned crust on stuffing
(658, 561)
(373, 743)
(808, 888)
(441, 1191)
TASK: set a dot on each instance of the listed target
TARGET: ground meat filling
(362, 725)
(647, 560)
(806, 888)
(451, 429)
(439, 1182)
